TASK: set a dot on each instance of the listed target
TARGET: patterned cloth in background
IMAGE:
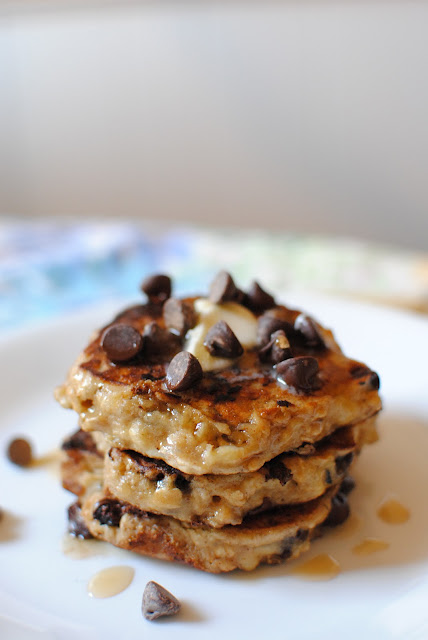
(49, 268)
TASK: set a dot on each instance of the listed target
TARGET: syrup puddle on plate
(111, 581)
(370, 545)
(392, 511)
(321, 567)
(79, 548)
(51, 461)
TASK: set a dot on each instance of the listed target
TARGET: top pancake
(233, 420)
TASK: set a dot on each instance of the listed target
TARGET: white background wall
(294, 115)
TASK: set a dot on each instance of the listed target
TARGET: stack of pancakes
(202, 443)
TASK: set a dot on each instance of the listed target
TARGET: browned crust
(268, 538)
(231, 395)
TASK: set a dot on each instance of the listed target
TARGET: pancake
(82, 463)
(235, 419)
(271, 537)
(218, 500)
(215, 432)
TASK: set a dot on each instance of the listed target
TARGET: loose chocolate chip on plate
(76, 524)
(300, 372)
(221, 342)
(158, 602)
(258, 299)
(307, 328)
(184, 371)
(108, 512)
(277, 349)
(339, 511)
(121, 342)
(179, 316)
(157, 288)
(223, 288)
(19, 452)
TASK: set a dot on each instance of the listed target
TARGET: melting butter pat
(242, 322)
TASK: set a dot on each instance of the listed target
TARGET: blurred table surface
(50, 268)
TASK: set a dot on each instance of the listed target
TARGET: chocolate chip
(302, 535)
(276, 470)
(343, 462)
(80, 440)
(300, 373)
(121, 342)
(374, 381)
(159, 341)
(184, 371)
(287, 549)
(157, 602)
(258, 299)
(108, 512)
(361, 371)
(328, 478)
(76, 524)
(240, 297)
(339, 511)
(182, 483)
(157, 288)
(179, 316)
(277, 349)
(221, 342)
(267, 325)
(19, 452)
(308, 329)
(347, 485)
(283, 403)
(223, 288)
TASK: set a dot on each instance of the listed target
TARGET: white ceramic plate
(382, 596)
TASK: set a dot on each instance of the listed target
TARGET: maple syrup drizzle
(50, 461)
(77, 548)
(111, 581)
(321, 567)
(370, 545)
(392, 511)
